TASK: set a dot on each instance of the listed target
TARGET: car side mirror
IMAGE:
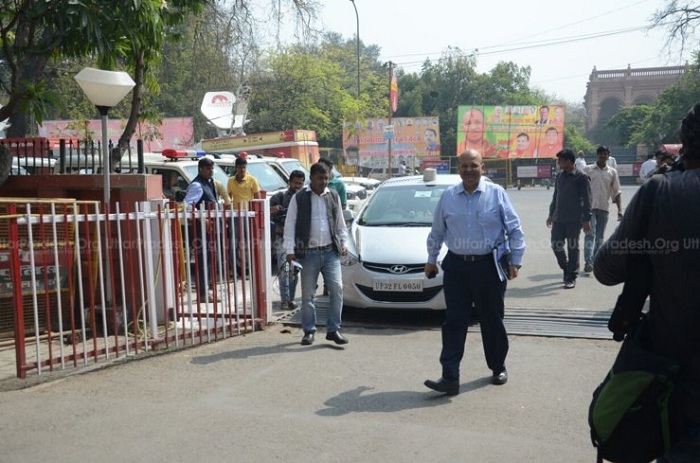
(348, 215)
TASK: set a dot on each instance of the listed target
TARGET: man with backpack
(661, 224)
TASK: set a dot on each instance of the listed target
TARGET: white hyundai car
(387, 251)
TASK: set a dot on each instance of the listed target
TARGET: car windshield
(294, 164)
(402, 206)
(267, 178)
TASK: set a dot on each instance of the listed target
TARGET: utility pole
(390, 64)
(357, 41)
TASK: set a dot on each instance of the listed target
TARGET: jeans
(477, 283)
(326, 263)
(286, 275)
(594, 239)
(565, 240)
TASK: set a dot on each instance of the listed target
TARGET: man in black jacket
(202, 191)
(569, 211)
(279, 203)
(664, 226)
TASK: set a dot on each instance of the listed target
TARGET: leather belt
(321, 248)
(471, 257)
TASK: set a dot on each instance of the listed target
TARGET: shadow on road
(354, 401)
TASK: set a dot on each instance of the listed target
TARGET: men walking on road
(648, 166)
(316, 235)
(476, 221)
(569, 211)
(605, 185)
(580, 163)
(279, 204)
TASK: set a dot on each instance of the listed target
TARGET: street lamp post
(357, 40)
(104, 89)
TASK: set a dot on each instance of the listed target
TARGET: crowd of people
(476, 221)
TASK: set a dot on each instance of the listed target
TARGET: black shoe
(308, 339)
(443, 385)
(336, 337)
(500, 378)
(291, 305)
(571, 284)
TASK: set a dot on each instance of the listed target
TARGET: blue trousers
(594, 239)
(478, 283)
(326, 263)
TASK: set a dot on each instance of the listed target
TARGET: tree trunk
(135, 113)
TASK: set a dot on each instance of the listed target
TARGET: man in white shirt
(605, 185)
(611, 162)
(315, 235)
(580, 163)
(648, 166)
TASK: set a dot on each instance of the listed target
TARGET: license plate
(399, 285)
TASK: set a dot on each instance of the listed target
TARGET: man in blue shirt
(202, 191)
(476, 221)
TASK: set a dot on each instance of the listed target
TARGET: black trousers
(565, 244)
(477, 283)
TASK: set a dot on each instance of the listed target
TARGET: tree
(300, 91)
(659, 122)
(680, 18)
(627, 121)
(575, 141)
(132, 33)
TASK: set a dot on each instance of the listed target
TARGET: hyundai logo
(398, 269)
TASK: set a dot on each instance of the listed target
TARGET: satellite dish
(217, 107)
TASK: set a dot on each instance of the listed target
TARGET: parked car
(387, 251)
(288, 165)
(270, 179)
(32, 165)
(382, 173)
(369, 184)
(185, 168)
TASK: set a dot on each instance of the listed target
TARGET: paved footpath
(265, 398)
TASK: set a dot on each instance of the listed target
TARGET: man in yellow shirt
(242, 188)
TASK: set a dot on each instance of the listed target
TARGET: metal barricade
(85, 285)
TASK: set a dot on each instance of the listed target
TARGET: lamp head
(104, 89)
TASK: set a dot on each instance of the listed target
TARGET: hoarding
(173, 132)
(510, 131)
(413, 140)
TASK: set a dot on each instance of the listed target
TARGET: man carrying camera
(278, 209)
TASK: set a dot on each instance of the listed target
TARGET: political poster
(511, 131)
(413, 139)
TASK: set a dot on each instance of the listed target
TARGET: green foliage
(573, 139)
(629, 120)
(659, 122)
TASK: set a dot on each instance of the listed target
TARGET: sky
(560, 40)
